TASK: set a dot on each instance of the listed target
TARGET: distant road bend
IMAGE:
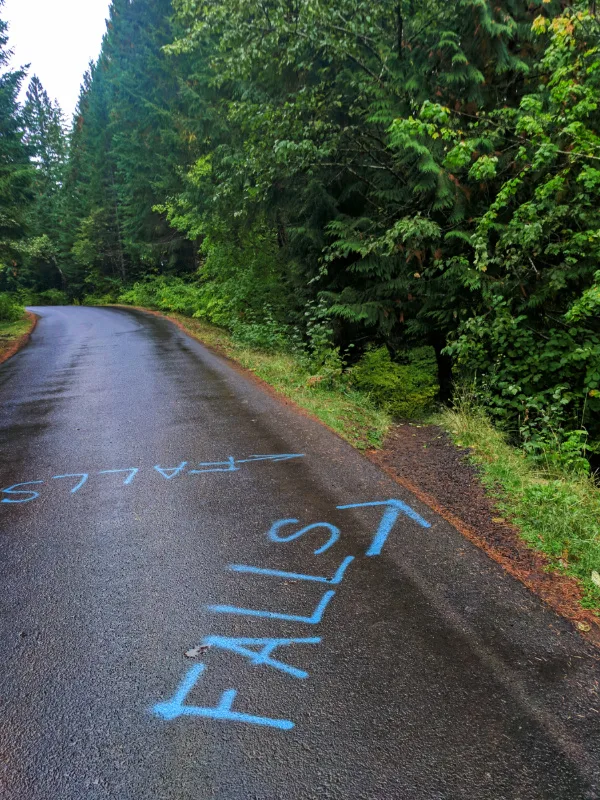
(205, 594)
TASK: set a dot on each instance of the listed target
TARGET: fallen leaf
(596, 578)
(584, 626)
(498, 519)
(197, 651)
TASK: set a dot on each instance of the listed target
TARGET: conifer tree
(92, 233)
(15, 168)
(144, 121)
(46, 140)
(401, 167)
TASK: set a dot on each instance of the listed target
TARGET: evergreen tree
(144, 127)
(395, 173)
(46, 140)
(92, 234)
(15, 168)
(321, 100)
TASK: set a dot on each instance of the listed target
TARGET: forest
(403, 192)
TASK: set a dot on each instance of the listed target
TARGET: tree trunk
(282, 235)
(400, 29)
(444, 367)
(63, 278)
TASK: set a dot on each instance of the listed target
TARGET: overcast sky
(58, 38)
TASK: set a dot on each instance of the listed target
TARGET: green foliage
(237, 286)
(10, 311)
(165, 294)
(560, 452)
(16, 171)
(541, 385)
(50, 297)
(267, 334)
(106, 299)
(241, 280)
(330, 174)
(403, 390)
(530, 334)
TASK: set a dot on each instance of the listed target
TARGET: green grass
(556, 514)
(348, 412)
(10, 331)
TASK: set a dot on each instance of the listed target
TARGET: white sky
(58, 38)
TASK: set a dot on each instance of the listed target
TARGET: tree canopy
(395, 174)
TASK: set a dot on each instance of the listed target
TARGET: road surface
(342, 640)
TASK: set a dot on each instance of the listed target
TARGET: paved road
(424, 672)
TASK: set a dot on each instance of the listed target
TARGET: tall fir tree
(15, 168)
(46, 140)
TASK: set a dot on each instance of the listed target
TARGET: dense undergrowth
(10, 309)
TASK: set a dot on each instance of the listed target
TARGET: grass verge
(557, 514)
(11, 333)
(348, 412)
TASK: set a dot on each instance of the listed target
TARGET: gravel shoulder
(424, 460)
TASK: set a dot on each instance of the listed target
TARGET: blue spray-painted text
(17, 493)
(259, 651)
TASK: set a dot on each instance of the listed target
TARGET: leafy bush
(268, 334)
(562, 452)
(10, 310)
(164, 293)
(100, 299)
(403, 390)
(242, 281)
(542, 386)
(50, 297)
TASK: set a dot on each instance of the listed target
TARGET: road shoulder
(424, 460)
(15, 335)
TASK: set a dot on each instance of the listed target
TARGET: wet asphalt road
(434, 674)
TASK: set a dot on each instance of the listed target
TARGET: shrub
(100, 299)
(10, 309)
(264, 334)
(543, 386)
(50, 297)
(238, 287)
(403, 390)
(164, 293)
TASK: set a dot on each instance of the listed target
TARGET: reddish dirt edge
(20, 341)
(562, 593)
(449, 485)
(247, 373)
